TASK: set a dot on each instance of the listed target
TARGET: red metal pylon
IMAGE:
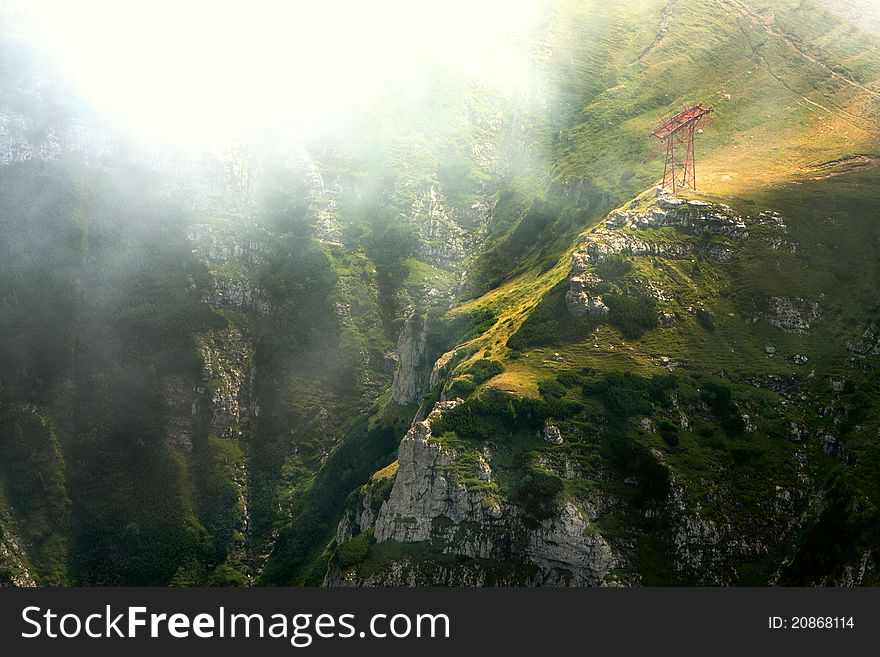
(680, 171)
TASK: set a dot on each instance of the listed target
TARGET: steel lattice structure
(678, 133)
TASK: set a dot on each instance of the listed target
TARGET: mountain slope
(710, 419)
(460, 338)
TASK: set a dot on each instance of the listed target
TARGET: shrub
(623, 395)
(484, 369)
(669, 433)
(704, 319)
(462, 387)
(570, 379)
(496, 413)
(659, 384)
(741, 455)
(631, 315)
(550, 323)
(551, 389)
(734, 423)
(834, 534)
(613, 267)
(536, 493)
(718, 398)
(353, 551)
(633, 458)
(466, 325)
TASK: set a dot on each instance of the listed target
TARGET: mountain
(863, 13)
(462, 338)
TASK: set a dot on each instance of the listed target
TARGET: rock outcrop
(23, 139)
(14, 569)
(432, 503)
(698, 229)
(789, 314)
(231, 253)
(409, 379)
(444, 243)
(226, 370)
(578, 298)
(238, 291)
(223, 244)
(627, 233)
(424, 491)
(866, 342)
(551, 434)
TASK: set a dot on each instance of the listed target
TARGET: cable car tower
(678, 133)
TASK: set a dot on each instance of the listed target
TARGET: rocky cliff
(411, 376)
(14, 570)
(439, 510)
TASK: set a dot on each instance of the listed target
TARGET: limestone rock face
(226, 371)
(441, 367)
(409, 379)
(180, 403)
(866, 342)
(551, 434)
(430, 502)
(708, 550)
(604, 243)
(238, 251)
(628, 232)
(564, 548)
(360, 517)
(13, 563)
(423, 490)
(444, 243)
(223, 244)
(23, 139)
(790, 314)
(581, 303)
(578, 298)
(239, 292)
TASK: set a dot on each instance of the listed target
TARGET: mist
(217, 222)
(203, 75)
(253, 254)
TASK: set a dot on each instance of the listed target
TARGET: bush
(462, 387)
(633, 458)
(613, 267)
(717, 397)
(466, 325)
(536, 493)
(570, 379)
(659, 384)
(484, 369)
(704, 319)
(353, 551)
(833, 535)
(742, 455)
(623, 395)
(631, 315)
(669, 433)
(550, 323)
(551, 389)
(734, 423)
(496, 413)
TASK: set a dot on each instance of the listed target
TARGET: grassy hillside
(747, 412)
(792, 87)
